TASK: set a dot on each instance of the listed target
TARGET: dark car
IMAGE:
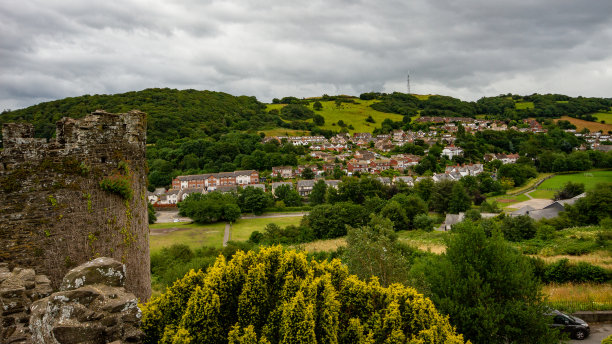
(576, 327)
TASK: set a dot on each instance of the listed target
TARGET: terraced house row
(211, 181)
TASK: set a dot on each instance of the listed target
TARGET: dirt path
(226, 236)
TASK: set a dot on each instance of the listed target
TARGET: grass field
(579, 296)
(581, 124)
(604, 116)
(196, 236)
(322, 245)
(545, 194)
(242, 229)
(351, 114)
(589, 178)
(188, 233)
(523, 105)
(508, 200)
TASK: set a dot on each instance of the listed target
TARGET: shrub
(119, 185)
(563, 271)
(281, 297)
(424, 222)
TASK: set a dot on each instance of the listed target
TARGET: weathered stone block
(102, 270)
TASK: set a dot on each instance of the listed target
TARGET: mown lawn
(187, 233)
(242, 229)
(589, 178)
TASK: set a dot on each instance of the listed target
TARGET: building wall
(54, 214)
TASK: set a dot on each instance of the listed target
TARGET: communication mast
(408, 83)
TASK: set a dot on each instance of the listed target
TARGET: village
(359, 154)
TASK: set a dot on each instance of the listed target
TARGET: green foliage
(253, 200)
(517, 228)
(569, 190)
(319, 190)
(459, 200)
(151, 213)
(330, 220)
(424, 222)
(118, 184)
(317, 106)
(593, 208)
(318, 120)
(562, 271)
(279, 296)
(274, 234)
(288, 195)
(517, 173)
(487, 288)
(373, 250)
(296, 111)
(210, 207)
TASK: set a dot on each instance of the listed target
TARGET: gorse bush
(276, 296)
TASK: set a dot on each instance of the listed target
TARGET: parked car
(576, 327)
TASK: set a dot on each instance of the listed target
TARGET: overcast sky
(467, 49)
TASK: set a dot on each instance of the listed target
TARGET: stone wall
(54, 211)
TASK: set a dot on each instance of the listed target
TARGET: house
(466, 170)
(384, 145)
(304, 187)
(277, 184)
(384, 180)
(404, 179)
(364, 155)
(360, 166)
(332, 183)
(226, 188)
(186, 192)
(450, 220)
(283, 171)
(452, 151)
(376, 166)
(246, 177)
(211, 180)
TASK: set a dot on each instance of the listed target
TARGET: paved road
(598, 333)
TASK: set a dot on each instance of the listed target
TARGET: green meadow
(589, 178)
(351, 114)
(604, 116)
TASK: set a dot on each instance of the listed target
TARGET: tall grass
(572, 297)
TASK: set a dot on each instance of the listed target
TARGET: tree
(394, 212)
(253, 200)
(373, 250)
(412, 205)
(307, 173)
(288, 195)
(439, 200)
(211, 207)
(317, 106)
(569, 190)
(423, 222)
(317, 196)
(276, 296)
(487, 288)
(330, 220)
(318, 120)
(151, 213)
(370, 119)
(459, 200)
(517, 228)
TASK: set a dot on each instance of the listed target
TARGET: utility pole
(408, 83)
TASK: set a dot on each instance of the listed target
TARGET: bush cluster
(276, 296)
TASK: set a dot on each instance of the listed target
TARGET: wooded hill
(175, 114)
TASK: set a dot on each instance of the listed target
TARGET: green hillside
(353, 114)
(172, 114)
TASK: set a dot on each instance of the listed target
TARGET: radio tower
(408, 83)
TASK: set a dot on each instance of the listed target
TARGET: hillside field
(351, 114)
(604, 116)
(581, 124)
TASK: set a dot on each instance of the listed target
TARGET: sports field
(589, 178)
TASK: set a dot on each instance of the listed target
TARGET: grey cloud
(53, 49)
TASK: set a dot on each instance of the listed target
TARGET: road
(598, 333)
